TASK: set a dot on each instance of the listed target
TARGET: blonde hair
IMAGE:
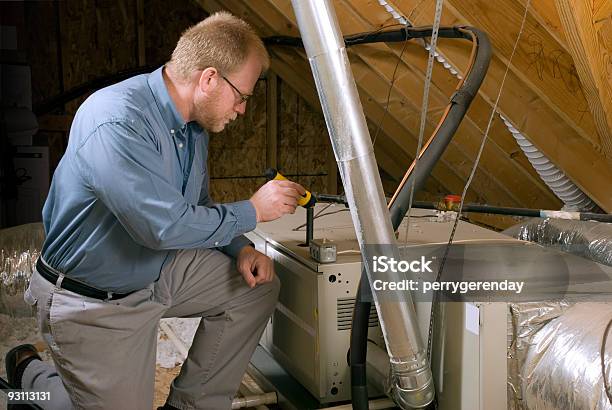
(222, 41)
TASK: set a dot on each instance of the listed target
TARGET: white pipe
(249, 387)
(253, 401)
(377, 404)
(557, 181)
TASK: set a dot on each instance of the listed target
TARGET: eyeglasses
(243, 97)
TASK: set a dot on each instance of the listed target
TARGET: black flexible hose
(533, 213)
(391, 36)
(460, 102)
(358, 349)
(4, 384)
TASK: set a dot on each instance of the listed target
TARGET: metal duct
(530, 341)
(412, 378)
(592, 240)
(524, 321)
(563, 365)
(557, 181)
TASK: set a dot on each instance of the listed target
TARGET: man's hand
(255, 267)
(275, 199)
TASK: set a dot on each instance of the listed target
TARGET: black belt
(75, 286)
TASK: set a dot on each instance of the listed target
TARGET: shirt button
(216, 243)
(180, 145)
(172, 131)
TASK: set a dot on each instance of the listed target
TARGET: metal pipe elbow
(412, 388)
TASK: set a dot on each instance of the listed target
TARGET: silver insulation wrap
(592, 240)
(19, 248)
(554, 347)
(524, 321)
(562, 368)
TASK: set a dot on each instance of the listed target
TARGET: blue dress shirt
(132, 188)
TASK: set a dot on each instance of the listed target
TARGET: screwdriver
(307, 200)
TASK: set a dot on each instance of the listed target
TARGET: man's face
(225, 101)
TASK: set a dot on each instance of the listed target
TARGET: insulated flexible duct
(563, 368)
(525, 320)
(557, 181)
(591, 240)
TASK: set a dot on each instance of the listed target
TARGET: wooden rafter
(560, 142)
(376, 86)
(540, 62)
(545, 12)
(443, 172)
(593, 61)
(293, 69)
(558, 135)
(498, 159)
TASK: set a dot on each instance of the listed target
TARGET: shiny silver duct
(524, 322)
(412, 383)
(592, 240)
(534, 325)
(563, 364)
(19, 248)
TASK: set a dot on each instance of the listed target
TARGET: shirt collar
(173, 119)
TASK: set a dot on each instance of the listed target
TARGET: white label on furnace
(472, 318)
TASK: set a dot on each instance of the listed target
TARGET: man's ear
(208, 79)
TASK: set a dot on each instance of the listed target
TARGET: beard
(209, 114)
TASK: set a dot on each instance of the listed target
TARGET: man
(133, 236)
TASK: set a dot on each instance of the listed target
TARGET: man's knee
(276, 285)
(270, 296)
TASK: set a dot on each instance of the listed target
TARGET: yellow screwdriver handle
(307, 200)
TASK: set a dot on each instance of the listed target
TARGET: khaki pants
(104, 352)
